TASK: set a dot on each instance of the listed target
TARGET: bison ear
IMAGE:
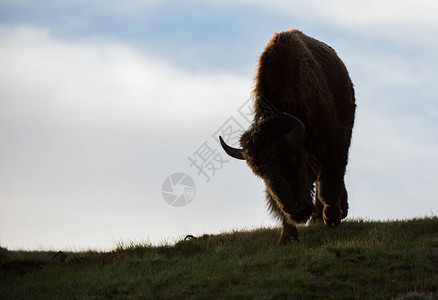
(294, 136)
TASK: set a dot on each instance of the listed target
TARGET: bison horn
(233, 152)
(297, 133)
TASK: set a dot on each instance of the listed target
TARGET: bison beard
(299, 139)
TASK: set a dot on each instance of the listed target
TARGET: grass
(358, 260)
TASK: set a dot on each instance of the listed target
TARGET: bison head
(272, 148)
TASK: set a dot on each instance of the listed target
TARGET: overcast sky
(100, 101)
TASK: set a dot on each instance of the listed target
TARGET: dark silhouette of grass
(357, 260)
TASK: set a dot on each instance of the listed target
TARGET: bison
(298, 142)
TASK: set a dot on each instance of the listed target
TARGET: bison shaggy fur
(298, 142)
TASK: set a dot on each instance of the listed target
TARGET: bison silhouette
(298, 142)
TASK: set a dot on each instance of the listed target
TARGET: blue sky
(102, 100)
(193, 34)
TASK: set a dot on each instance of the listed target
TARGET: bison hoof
(344, 213)
(332, 216)
(315, 220)
(284, 240)
(332, 224)
(289, 234)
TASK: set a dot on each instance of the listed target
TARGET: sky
(105, 104)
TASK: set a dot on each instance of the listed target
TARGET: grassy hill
(357, 260)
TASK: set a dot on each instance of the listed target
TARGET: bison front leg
(289, 232)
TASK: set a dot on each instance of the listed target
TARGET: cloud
(359, 14)
(90, 129)
(102, 81)
(404, 23)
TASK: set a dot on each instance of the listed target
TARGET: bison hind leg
(332, 193)
(319, 207)
(333, 215)
(344, 203)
